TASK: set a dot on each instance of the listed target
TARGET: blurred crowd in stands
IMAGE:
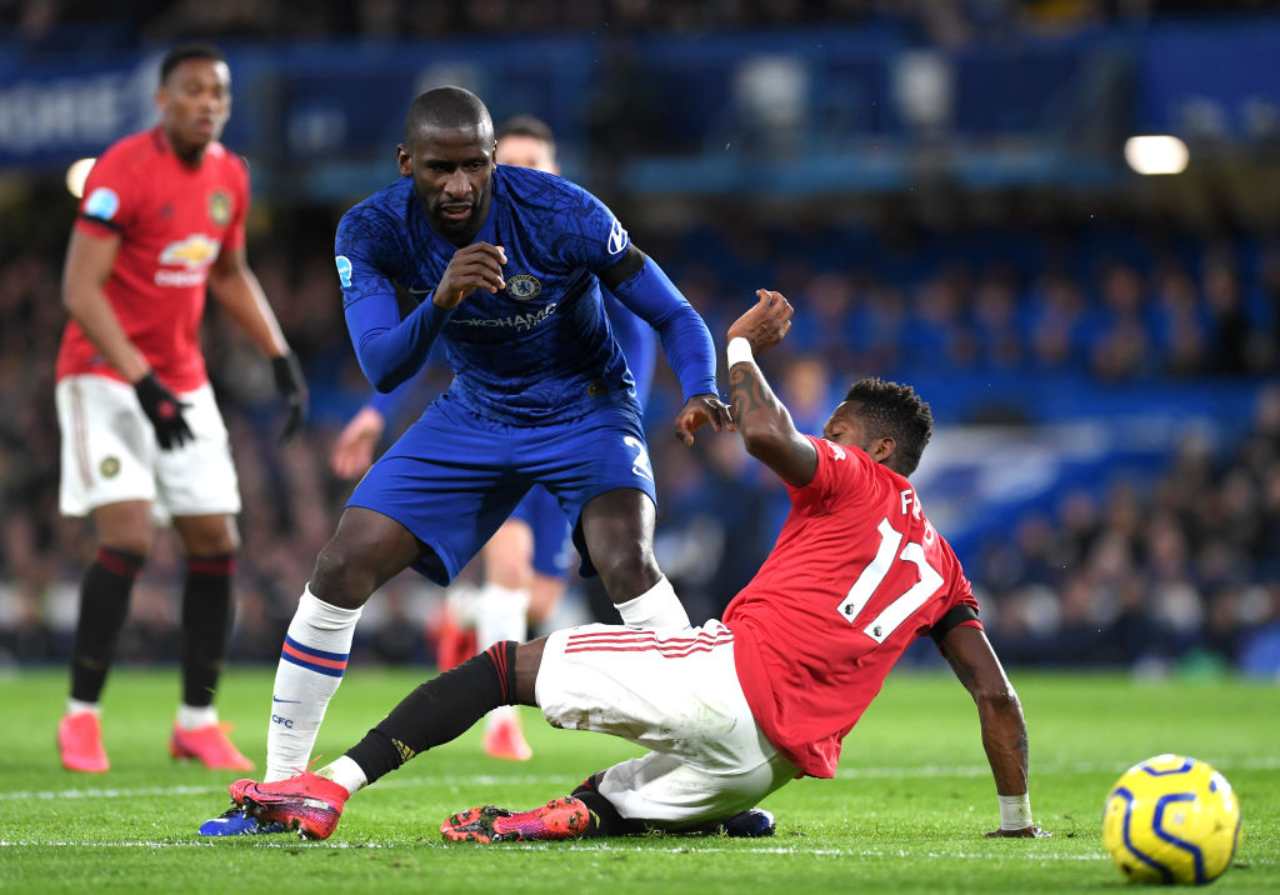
(1143, 575)
(948, 23)
(1185, 566)
(1213, 310)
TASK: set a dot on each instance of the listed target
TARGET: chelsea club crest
(523, 287)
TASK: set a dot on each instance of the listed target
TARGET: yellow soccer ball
(1171, 819)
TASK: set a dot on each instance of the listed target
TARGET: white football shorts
(676, 693)
(110, 453)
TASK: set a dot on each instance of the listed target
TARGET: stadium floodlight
(77, 174)
(1156, 154)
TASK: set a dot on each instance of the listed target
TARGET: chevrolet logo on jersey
(193, 253)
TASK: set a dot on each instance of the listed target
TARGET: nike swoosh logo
(278, 699)
(426, 291)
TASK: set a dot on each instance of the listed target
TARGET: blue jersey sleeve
(592, 238)
(650, 294)
(389, 349)
(638, 342)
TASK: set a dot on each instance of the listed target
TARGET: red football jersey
(172, 220)
(856, 575)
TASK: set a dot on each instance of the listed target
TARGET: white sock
(312, 662)
(658, 607)
(193, 718)
(501, 614)
(75, 706)
(346, 773)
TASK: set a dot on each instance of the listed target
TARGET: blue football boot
(751, 824)
(236, 822)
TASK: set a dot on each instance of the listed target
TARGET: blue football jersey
(542, 350)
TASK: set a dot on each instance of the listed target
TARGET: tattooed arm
(761, 419)
(1004, 730)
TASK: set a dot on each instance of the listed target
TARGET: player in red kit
(142, 439)
(734, 709)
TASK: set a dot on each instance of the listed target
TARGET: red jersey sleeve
(111, 196)
(962, 593)
(842, 471)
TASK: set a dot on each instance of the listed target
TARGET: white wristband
(739, 351)
(1015, 812)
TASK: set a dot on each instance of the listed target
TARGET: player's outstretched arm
(760, 418)
(237, 289)
(642, 286)
(1004, 730)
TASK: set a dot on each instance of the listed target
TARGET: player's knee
(125, 527)
(136, 543)
(217, 539)
(508, 572)
(229, 538)
(629, 570)
(508, 557)
(544, 598)
(341, 577)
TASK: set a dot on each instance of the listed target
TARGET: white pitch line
(400, 783)
(514, 849)
(112, 793)
(1262, 763)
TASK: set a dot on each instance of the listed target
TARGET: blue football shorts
(453, 477)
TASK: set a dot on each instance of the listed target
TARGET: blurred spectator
(1158, 573)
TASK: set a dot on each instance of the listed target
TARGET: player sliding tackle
(734, 709)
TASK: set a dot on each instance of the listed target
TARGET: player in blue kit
(508, 264)
(526, 562)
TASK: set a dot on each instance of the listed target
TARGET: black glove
(164, 410)
(293, 388)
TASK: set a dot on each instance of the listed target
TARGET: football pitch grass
(906, 813)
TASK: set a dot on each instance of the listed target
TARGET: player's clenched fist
(766, 323)
(477, 266)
